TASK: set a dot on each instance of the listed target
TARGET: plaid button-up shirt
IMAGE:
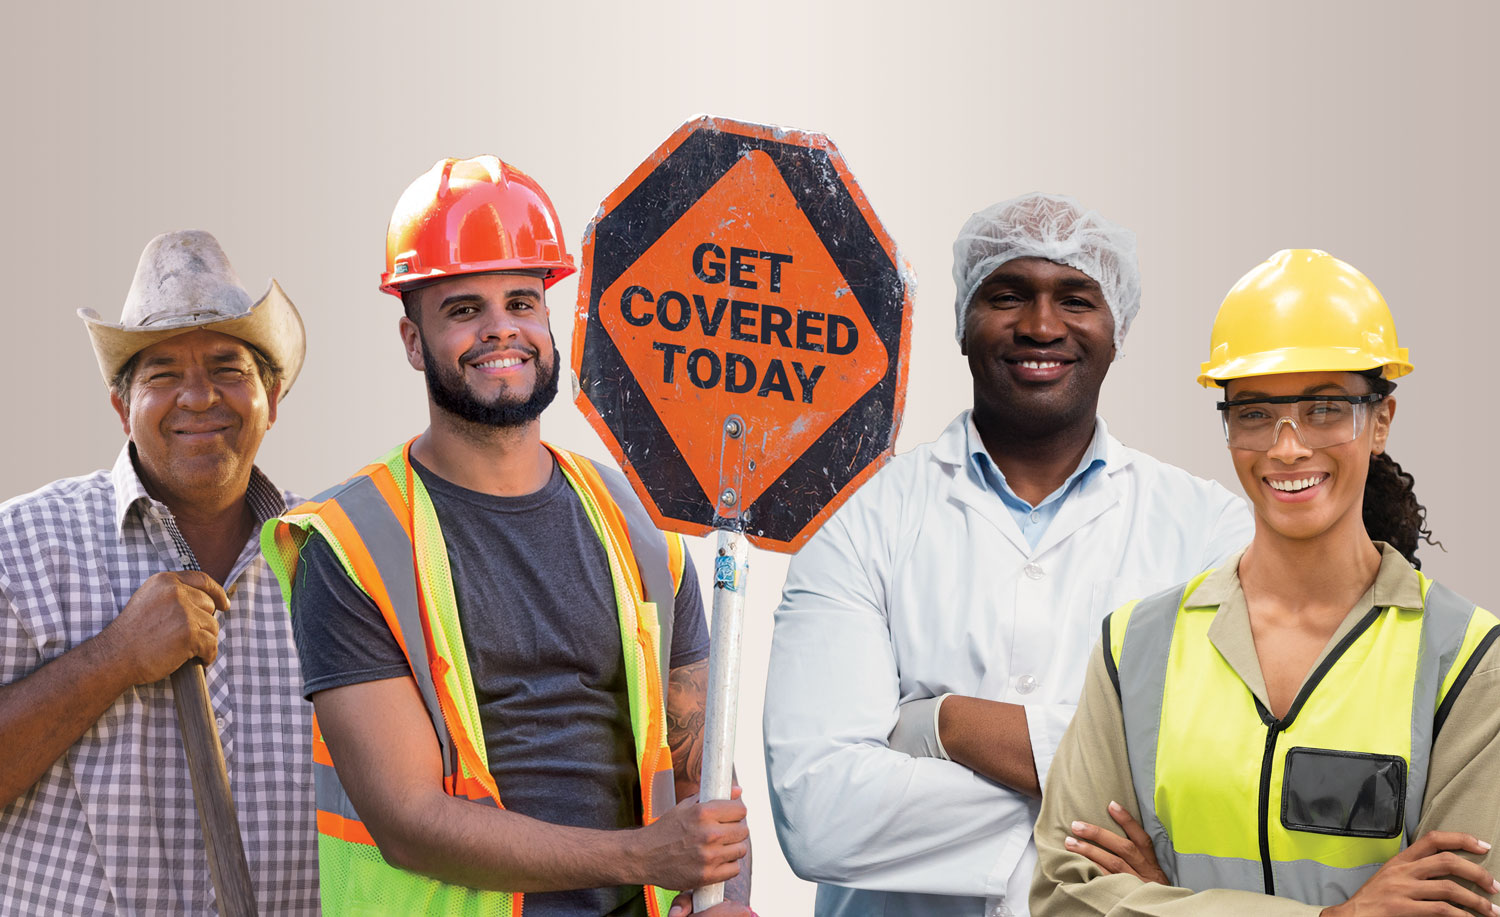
(111, 827)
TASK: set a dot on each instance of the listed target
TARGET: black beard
(449, 393)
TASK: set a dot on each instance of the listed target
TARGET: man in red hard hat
(507, 661)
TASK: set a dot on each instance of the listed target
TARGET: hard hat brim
(395, 283)
(1302, 360)
(272, 325)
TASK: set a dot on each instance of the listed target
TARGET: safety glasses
(1319, 420)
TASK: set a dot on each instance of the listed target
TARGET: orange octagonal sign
(742, 331)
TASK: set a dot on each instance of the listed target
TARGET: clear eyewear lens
(1317, 424)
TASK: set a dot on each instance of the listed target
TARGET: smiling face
(196, 414)
(485, 345)
(1301, 493)
(1039, 337)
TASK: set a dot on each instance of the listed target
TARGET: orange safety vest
(382, 527)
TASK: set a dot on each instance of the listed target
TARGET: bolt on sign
(742, 331)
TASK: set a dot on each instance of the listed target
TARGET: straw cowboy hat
(184, 283)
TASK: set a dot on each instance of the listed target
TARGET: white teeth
(1300, 484)
(1040, 364)
(500, 364)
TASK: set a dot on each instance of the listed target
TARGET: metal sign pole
(731, 573)
(731, 570)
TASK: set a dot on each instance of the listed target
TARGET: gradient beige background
(1218, 132)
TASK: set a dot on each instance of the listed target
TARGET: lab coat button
(1034, 571)
(1025, 684)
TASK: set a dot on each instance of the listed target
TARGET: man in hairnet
(932, 637)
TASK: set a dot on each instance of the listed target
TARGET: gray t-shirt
(537, 611)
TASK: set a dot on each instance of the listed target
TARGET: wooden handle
(221, 826)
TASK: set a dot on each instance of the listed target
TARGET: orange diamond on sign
(739, 281)
(711, 324)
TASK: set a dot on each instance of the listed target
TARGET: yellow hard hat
(1303, 311)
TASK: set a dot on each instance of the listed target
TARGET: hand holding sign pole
(740, 346)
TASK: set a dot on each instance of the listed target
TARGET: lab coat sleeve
(1230, 528)
(849, 810)
(1046, 724)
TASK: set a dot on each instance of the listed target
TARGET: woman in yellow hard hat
(1313, 728)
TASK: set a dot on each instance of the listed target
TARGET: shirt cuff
(937, 734)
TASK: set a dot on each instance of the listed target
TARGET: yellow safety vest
(1308, 806)
(382, 527)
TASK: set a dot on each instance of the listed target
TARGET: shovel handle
(221, 826)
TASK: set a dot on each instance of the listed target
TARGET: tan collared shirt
(1092, 768)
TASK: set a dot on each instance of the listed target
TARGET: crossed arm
(990, 738)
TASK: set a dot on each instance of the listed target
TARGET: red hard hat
(472, 216)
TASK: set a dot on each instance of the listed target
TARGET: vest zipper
(1273, 730)
(1275, 727)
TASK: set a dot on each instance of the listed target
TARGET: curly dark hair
(1391, 511)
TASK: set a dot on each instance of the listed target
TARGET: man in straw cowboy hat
(111, 581)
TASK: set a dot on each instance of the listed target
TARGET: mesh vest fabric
(1210, 763)
(382, 527)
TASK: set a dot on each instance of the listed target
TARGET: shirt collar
(127, 485)
(983, 465)
(266, 500)
(1397, 582)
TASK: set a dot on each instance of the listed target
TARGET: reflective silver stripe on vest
(1143, 680)
(392, 551)
(328, 790)
(650, 548)
(663, 792)
(330, 794)
(1313, 883)
(1199, 871)
(1444, 623)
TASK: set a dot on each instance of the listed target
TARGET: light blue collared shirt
(1032, 520)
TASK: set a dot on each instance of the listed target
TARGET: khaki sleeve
(1091, 770)
(1463, 793)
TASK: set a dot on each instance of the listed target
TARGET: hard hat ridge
(472, 216)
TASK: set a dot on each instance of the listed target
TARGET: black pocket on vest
(1348, 793)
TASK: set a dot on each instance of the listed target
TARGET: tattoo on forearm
(687, 709)
(687, 705)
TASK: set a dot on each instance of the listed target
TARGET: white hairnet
(1058, 228)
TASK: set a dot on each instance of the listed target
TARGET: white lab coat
(923, 584)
